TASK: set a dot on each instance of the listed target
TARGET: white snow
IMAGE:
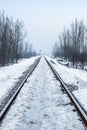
(9, 75)
(41, 105)
(82, 96)
(74, 77)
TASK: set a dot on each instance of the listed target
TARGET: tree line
(72, 44)
(12, 41)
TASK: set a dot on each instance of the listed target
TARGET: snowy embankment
(73, 77)
(9, 75)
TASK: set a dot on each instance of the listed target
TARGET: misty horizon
(45, 20)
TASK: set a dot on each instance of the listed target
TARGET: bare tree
(12, 41)
(73, 44)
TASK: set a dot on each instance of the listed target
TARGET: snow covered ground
(81, 94)
(41, 105)
(74, 77)
(9, 75)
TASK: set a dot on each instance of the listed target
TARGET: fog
(45, 19)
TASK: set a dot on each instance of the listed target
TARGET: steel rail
(11, 100)
(82, 112)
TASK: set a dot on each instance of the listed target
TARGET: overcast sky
(45, 19)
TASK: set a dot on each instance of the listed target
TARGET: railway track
(82, 112)
(19, 86)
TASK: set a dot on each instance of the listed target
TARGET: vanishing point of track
(82, 112)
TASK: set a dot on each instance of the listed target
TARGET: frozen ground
(41, 105)
(74, 77)
(9, 75)
(82, 97)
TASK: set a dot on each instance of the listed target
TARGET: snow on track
(82, 97)
(70, 75)
(9, 75)
(74, 77)
(41, 105)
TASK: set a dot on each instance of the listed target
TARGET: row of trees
(12, 45)
(72, 44)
